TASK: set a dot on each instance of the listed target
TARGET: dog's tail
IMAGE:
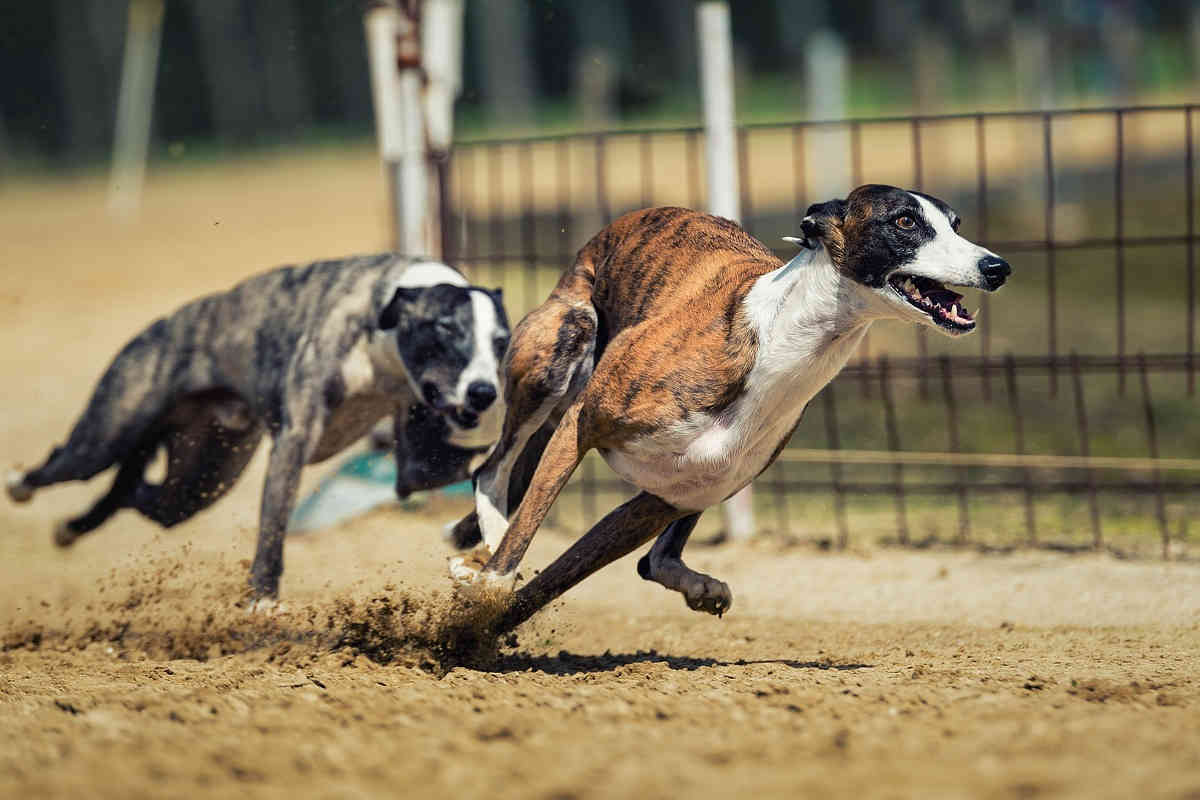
(130, 397)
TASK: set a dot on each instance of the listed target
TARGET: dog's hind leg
(203, 464)
(621, 532)
(119, 495)
(664, 565)
(127, 401)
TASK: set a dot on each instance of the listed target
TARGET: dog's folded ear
(822, 220)
(403, 299)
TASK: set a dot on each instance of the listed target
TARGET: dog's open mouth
(941, 304)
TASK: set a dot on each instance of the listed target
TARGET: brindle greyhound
(684, 351)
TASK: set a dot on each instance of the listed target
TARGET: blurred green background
(253, 73)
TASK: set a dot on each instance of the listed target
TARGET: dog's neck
(809, 318)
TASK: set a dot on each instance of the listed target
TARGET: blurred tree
(1122, 43)
(226, 46)
(89, 35)
(284, 85)
(251, 66)
(240, 68)
(604, 52)
(1032, 58)
(505, 51)
(679, 36)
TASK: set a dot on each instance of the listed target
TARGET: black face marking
(875, 231)
(943, 206)
(434, 328)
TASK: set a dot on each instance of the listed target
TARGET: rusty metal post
(893, 436)
(833, 439)
(1051, 265)
(1014, 404)
(1160, 506)
(1190, 206)
(528, 224)
(1119, 203)
(1085, 450)
(985, 319)
(646, 168)
(922, 331)
(960, 482)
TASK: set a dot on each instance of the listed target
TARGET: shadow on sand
(566, 663)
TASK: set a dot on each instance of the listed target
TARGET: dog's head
(904, 247)
(452, 340)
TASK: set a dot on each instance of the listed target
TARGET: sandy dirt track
(126, 669)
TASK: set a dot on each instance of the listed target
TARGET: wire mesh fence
(1069, 421)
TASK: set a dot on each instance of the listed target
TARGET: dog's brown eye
(906, 223)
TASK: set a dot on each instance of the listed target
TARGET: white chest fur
(809, 321)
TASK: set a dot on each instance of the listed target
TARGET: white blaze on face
(947, 257)
(484, 367)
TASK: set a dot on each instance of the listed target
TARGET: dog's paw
(468, 570)
(18, 491)
(265, 607)
(64, 534)
(707, 594)
(468, 567)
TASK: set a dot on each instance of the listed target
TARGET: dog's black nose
(995, 271)
(480, 395)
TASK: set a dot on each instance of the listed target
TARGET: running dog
(685, 352)
(314, 356)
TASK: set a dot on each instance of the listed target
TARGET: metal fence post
(964, 519)
(1085, 450)
(893, 437)
(1160, 506)
(1014, 404)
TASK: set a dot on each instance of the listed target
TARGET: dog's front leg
(621, 532)
(289, 453)
(664, 565)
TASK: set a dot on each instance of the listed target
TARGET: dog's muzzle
(995, 271)
(480, 397)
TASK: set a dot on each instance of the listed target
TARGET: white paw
(465, 569)
(265, 606)
(468, 570)
(14, 482)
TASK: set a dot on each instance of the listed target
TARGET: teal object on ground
(362, 482)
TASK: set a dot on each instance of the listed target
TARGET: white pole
(393, 49)
(716, 85)
(414, 161)
(441, 51)
(724, 198)
(135, 107)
